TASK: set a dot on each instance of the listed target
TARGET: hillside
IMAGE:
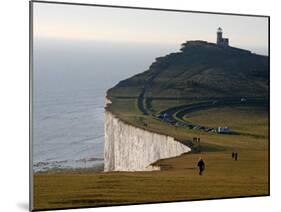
(200, 69)
(201, 76)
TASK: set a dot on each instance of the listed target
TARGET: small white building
(224, 42)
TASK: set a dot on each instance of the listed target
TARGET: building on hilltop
(224, 42)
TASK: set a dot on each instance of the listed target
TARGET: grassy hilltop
(200, 69)
(231, 88)
(200, 72)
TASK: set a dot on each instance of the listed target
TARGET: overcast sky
(118, 24)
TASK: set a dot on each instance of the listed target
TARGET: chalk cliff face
(128, 148)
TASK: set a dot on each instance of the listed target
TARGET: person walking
(201, 166)
(236, 156)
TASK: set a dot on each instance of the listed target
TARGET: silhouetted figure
(233, 155)
(201, 166)
(236, 156)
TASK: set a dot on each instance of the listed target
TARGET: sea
(70, 80)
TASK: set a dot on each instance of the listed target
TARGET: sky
(76, 22)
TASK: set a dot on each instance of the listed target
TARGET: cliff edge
(138, 131)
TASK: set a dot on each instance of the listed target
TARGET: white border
(15, 104)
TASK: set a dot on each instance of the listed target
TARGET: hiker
(233, 155)
(236, 156)
(201, 166)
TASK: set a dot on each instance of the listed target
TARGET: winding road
(174, 115)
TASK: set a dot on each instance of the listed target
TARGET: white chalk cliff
(128, 148)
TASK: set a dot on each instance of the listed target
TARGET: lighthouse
(223, 42)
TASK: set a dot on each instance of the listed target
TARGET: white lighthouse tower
(224, 42)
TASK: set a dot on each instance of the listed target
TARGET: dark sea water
(69, 86)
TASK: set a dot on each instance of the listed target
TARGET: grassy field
(223, 116)
(223, 178)
(179, 179)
